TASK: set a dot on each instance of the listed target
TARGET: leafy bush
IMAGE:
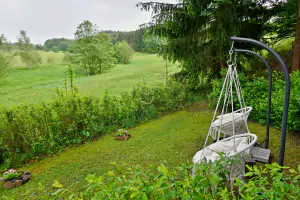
(210, 182)
(256, 95)
(123, 52)
(31, 131)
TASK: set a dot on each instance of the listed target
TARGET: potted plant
(122, 134)
(13, 178)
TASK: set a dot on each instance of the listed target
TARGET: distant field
(24, 86)
(56, 57)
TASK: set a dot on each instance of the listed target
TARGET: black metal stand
(286, 93)
(266, 141)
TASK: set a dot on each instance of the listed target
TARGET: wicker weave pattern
(226, 127)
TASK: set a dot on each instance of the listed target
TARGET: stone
(26, 176)
(260, 154)
(1, 179)
(9, 185)
(19, 182)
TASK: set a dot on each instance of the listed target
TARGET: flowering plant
(122, 132)
(11, 174)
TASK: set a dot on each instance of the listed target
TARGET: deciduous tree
(5, 55)
(93, 51)
(27, 52)
(123, 52)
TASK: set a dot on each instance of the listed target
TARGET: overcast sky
(44, 19)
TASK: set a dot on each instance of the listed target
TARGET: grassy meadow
(23, 86)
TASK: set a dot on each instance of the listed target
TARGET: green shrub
(123, 52)
(210, 182)
(256, 95)
(31, 131)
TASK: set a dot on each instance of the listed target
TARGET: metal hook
(230, 53)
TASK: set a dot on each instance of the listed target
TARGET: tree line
(139, 40)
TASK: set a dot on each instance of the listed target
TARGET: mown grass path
(172, 139)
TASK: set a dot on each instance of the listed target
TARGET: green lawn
(172, 139)
(24, 86)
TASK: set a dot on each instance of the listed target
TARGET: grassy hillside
(29, 86)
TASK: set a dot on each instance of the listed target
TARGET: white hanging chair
(234, 121)
(224, 123)
(233, 124)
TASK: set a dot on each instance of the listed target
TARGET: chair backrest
(252, 138)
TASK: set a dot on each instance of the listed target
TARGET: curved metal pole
(286, 93)
(269, 94)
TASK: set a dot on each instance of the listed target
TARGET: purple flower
(5, 173)
(11, 171)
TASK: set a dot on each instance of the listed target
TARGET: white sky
(45, 19)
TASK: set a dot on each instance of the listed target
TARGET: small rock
(26, 177)
(9, 185)
(1, 179)
(19, 182)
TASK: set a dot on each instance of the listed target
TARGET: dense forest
(139, 40)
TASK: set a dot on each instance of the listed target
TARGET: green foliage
(123, 52)
(11, 174)
(210, 182)
(93, 51)
(256, 95)
(58, 44)
(27, 52)
(153, 44)
(5, 55)
(119, 36)
(28, 132)
(122, 132)
(284, 22)
(270, 183)
(138, 40)
(198, 32)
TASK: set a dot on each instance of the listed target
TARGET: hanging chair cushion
(227, 118)
(211, 153)
(207, 153)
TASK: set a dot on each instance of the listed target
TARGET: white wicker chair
(236, 147)
(224, 123)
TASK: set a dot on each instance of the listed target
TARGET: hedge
(255, 92)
